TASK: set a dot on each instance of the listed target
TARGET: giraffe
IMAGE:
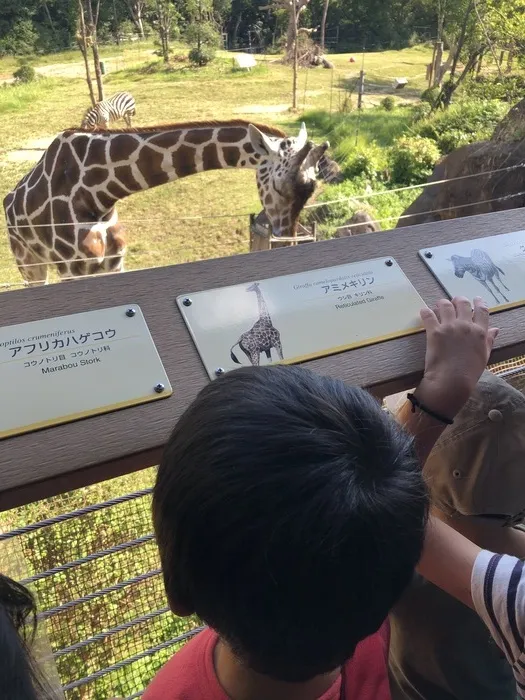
(63, 211)
(262, 336)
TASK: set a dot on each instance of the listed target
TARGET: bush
(509, 88)
(388, 103)
(430, 96)
(412, 160)
(25, 74)
(464, 122)
(201, 57)
(421, 111)
(368, 162)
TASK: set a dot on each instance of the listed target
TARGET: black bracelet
(417, 404)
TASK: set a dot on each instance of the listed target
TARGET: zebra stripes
(118, 106)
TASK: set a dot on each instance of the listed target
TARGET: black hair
(20, 677)
(290, 512)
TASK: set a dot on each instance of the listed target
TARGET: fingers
(463, 308)
(446, 311)
(429, 319)
(491, 337)
(481, 313)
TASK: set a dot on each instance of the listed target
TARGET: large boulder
(511, 127)
(486, 191)
(360, 222)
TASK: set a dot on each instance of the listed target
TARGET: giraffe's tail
(233, 356)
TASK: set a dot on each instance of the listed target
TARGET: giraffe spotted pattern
(63, 212)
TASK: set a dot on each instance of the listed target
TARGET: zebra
(118, 106)
(482, 268)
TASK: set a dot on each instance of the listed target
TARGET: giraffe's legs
(501, 281)
(34, 272)
(279, 348)
(254, 357)
(498, 290)
(489, 290)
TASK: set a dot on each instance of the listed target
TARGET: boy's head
(289, 510)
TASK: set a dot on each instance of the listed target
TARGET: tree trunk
(469, 67)
(438, 61)
(92, 25)
(49, 19)
(236, 28)
(139, 24)
(116, 30)
(83, 46)
(135, 10)
(323, 24)
(462, 38)
(295, 53)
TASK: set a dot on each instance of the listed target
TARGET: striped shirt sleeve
(498, 593)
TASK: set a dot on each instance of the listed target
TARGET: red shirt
(190, 674)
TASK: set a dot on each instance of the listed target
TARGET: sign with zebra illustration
(298, 317)
(492, 268)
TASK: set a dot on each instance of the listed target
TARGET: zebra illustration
(482, 268)
(118, 106)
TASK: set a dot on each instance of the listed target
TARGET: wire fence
(96, 575)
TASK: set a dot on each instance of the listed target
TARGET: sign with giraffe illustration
(299, 317)
(492, 268)
(62, 369)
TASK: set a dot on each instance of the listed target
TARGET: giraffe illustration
(63, 212)
(262, 336)
(482, 268)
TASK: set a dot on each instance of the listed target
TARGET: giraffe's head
(253, 287)
(286, 176)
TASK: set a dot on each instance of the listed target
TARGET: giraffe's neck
(264, 314)
(117, 164)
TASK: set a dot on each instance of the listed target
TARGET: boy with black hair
(290, 512)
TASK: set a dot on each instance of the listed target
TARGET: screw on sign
(159, 388)
(187, 301)
(130, 313)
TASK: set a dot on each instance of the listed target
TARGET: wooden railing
(58, 459)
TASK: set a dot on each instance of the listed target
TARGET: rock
(360, 222)
(511, 127)
(479, 194)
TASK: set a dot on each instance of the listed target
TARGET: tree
(202, 33)
(164, 23)
(136, 10)
(87, 38)
(294, 8)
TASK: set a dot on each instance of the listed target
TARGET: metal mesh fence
(94, 568)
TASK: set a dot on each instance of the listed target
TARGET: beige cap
(477, 467)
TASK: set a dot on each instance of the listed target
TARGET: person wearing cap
(489, 579)
(440, 648)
